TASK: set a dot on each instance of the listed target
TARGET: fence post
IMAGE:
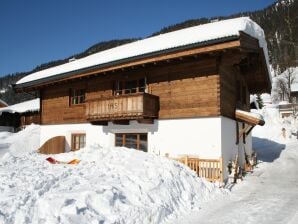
(221, 169)
(186, 160)
(197, 165)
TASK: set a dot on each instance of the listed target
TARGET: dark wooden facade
(18, 120)
(29, 118)
(10, 119)
(201, 82)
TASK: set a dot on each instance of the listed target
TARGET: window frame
(120, 87)
(138, 143)
(73, 93)
(73, 141)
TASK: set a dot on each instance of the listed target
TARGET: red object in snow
(52, 160)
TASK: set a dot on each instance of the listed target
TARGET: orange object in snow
(54, 161)
(74, 161)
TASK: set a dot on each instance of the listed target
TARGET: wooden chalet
(174, 94)
(17, 116)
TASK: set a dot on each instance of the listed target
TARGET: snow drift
(19, 143)
(110, 185)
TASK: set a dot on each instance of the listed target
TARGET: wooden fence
(211, 169)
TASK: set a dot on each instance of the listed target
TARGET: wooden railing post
(211, 169)
(221, 169)
(186, 160)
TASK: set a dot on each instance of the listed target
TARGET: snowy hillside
(109, 185)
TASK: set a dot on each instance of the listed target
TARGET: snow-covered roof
(3, 103)
(188, 36)
(27, 106)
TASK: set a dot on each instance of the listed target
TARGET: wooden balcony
(123, 107)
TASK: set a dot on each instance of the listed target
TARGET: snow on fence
(211, 169)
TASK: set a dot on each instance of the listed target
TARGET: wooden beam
(249, 130)
(244, 130)
(121, 122)
(146, 121)
(101, 123)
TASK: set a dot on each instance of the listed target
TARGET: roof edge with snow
(183, 39)
(125, 60)
(26, 106)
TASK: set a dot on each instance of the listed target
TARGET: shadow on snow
(267, 150)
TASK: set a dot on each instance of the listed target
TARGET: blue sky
(38, 31)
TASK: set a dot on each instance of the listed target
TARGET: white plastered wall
(229, 147)
(248, 145)
(208, 138)
(177, 137)
(198, 137)
(94, 134)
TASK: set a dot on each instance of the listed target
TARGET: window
(77, 96)
(131, 140)
(130, 87)
(78, 141)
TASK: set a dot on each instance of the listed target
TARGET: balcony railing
(123, 107)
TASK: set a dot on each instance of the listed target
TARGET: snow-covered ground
(119, 185)
(109, 185)
(270, 193)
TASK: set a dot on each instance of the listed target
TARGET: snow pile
(20, 143)
(109, 185)
(27, 106)
(4, 142)
(276, 133)
(266, 98)
(180, 38)
(273, 127)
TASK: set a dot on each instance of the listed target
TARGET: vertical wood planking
(211, 169)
